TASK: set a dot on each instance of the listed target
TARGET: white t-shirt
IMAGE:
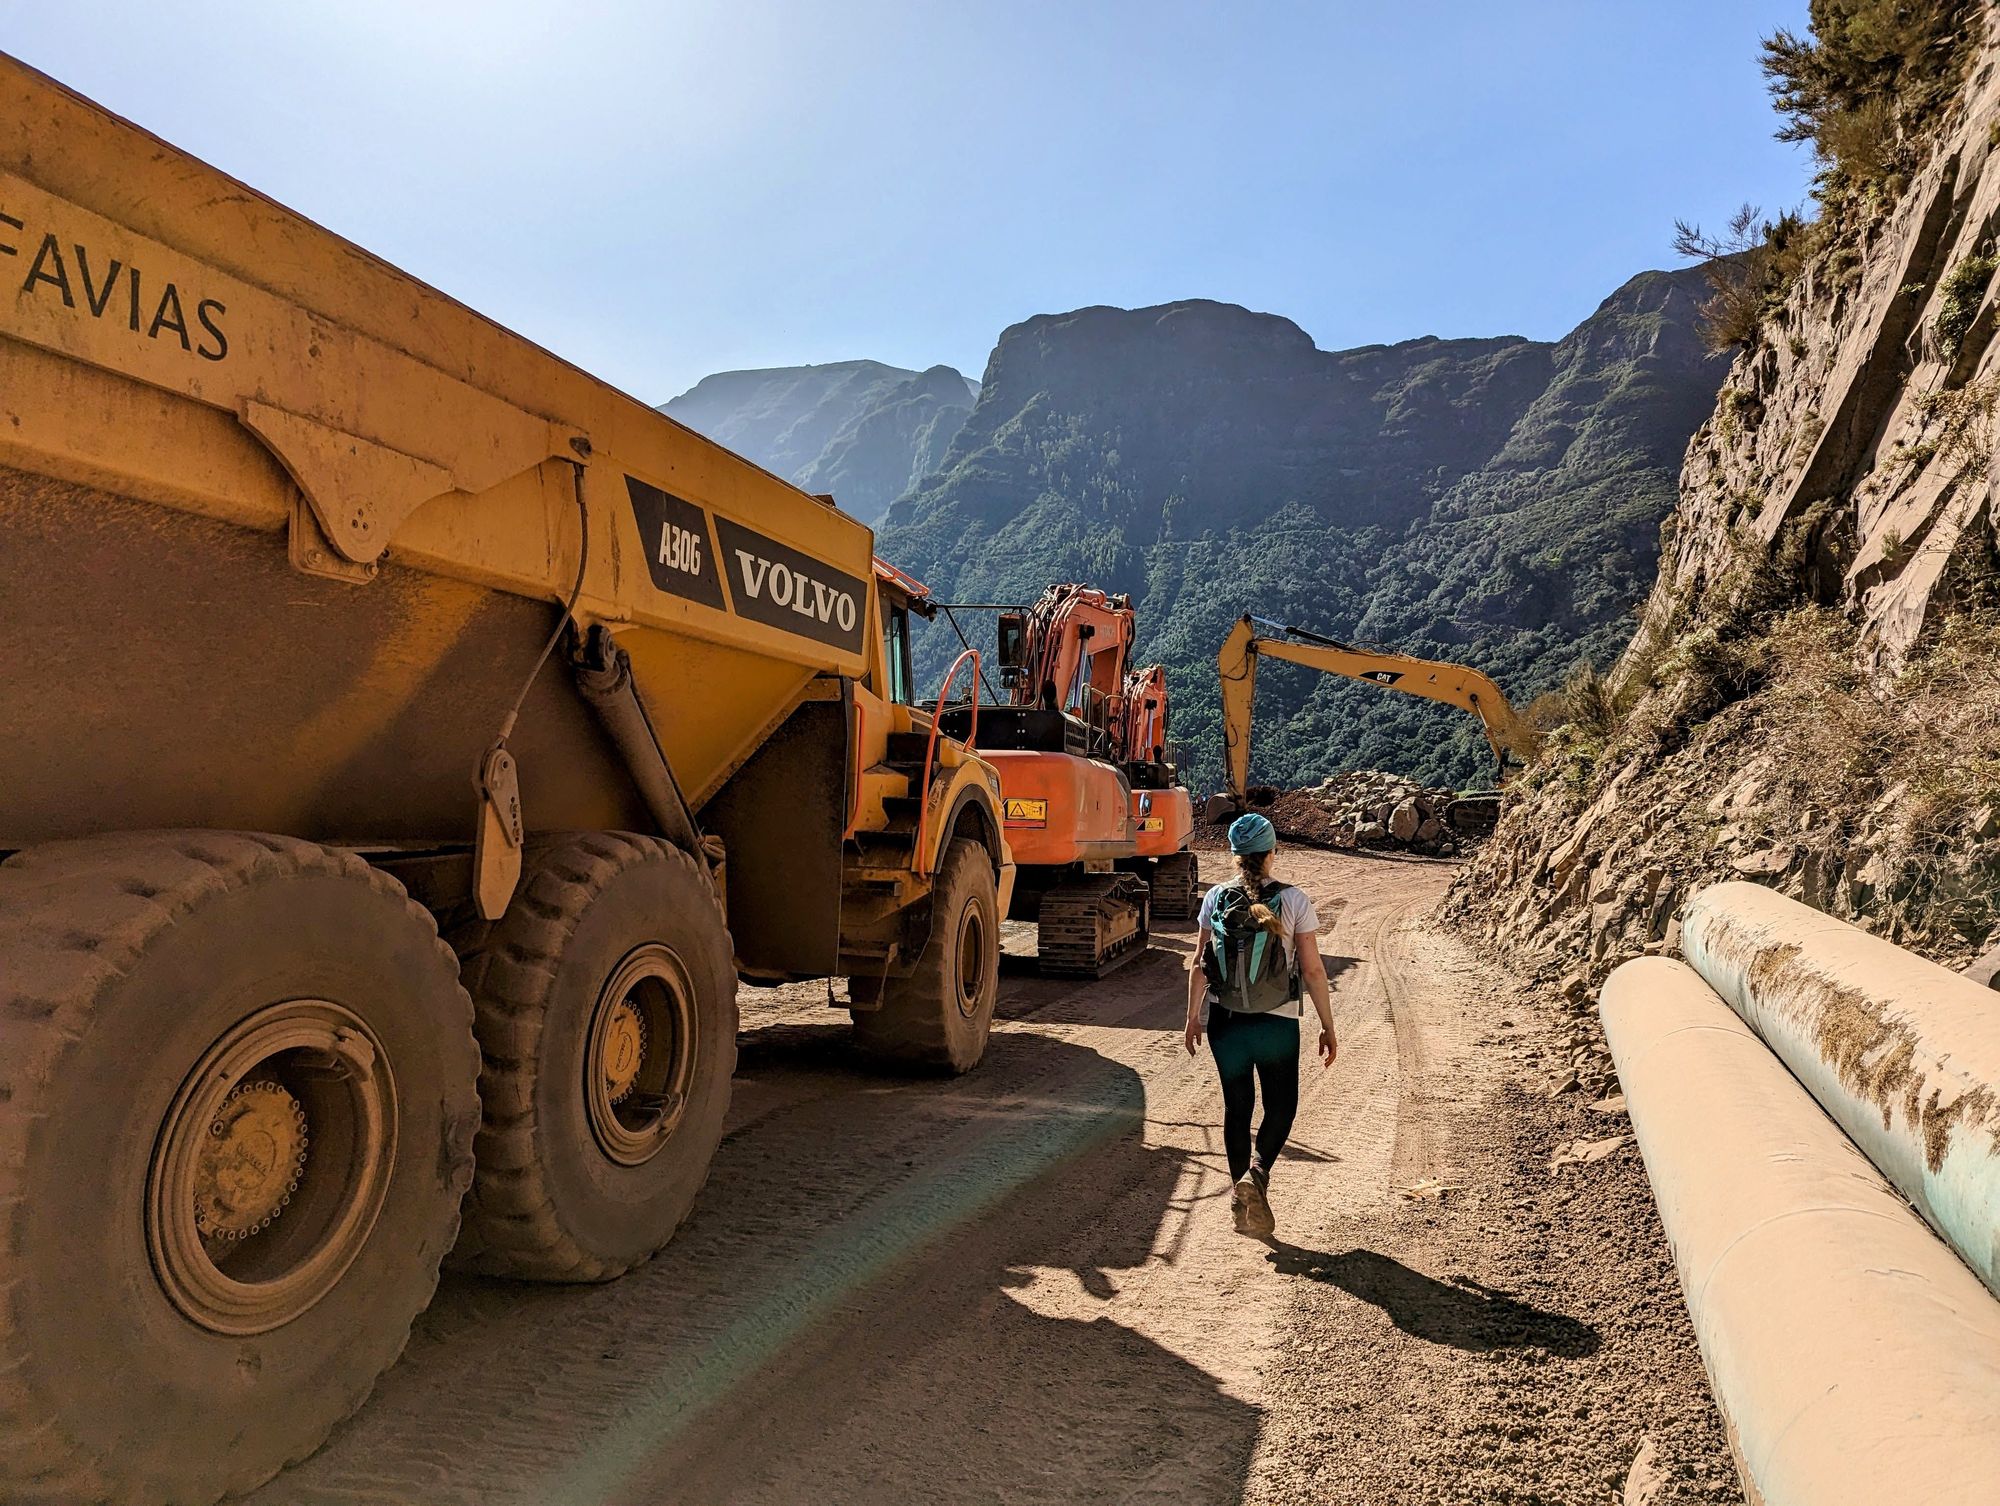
(1295, 914)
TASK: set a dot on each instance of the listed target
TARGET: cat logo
(1021, 811)
(1382, 676)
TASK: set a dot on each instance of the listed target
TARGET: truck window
(896, 646)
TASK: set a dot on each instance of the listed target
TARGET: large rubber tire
(940, 1014)
(124, 962)
(548, 1202)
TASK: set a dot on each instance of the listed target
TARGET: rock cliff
(1492, 500)
(1812, 699)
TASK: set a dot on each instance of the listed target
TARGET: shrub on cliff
(1865, 82)
(1750, 268)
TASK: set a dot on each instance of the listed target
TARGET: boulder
(1404, 821)
(1371, 831)
(1761, 865)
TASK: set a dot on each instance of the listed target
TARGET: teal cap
(1252, 834)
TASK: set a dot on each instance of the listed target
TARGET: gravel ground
(1528, 1324)
(1502, 1331)
(1021, 1286)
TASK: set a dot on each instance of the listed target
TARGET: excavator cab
(1012, 649)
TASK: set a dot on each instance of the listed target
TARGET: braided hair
(1253, 869)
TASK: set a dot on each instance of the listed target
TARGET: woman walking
(1259, 946)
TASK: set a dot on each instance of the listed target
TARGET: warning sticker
(1022, 811)
(1153, 823)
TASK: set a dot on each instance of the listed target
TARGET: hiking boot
(1251, 1208)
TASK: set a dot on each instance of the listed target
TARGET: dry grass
(1964, 419)
(1904, 766)
(1960, 296)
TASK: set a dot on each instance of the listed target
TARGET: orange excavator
(1096, 816)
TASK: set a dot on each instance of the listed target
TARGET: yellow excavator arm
(1455, 684)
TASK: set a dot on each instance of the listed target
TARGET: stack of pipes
(1819, 1112)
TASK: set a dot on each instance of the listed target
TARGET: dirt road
(1022, 1285)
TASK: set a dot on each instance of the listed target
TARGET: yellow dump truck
(337, 619)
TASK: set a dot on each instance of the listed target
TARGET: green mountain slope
(863, 431)
(1491, 500)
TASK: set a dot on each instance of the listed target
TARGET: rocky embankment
(1812, 700)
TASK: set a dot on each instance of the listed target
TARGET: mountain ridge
(1491, 498)
(862, 431)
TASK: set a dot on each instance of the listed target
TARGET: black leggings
(1251, 1049)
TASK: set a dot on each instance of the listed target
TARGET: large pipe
(1855, 1359)
(1904, 1054)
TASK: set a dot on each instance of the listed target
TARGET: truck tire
(940, 1014)
(237, 1101)
(605, 1003)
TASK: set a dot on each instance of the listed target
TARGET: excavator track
(1091, 924)
(1176, 886)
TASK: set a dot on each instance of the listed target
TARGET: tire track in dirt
(1415, 1138)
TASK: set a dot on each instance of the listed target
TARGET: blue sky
(660, 190)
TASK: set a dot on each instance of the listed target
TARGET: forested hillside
(864, 432)
(1492, 500)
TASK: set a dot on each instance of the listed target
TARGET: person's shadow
(1461, 1313)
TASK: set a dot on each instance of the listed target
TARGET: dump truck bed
(286, 528)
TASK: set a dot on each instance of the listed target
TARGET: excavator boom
(1454, 684)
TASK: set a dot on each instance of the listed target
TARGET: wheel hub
(623, 1050)
(971, 960)
(250, 1220)
(250, 1166)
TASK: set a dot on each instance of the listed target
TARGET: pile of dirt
(1366, 808)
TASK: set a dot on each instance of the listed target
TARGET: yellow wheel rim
(638, 1064)
(271, 1167)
